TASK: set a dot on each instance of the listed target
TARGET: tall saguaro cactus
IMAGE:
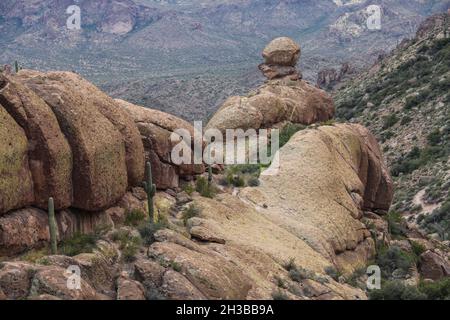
(52, 225)
(16, 66)
(150, 188)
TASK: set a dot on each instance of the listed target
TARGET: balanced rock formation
(281, 56)
(156, 128)
(284, 98)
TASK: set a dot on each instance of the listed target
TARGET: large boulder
(134, 149)
(433, 266)
(50, 157)
(282, 51)
(99, 156)
(156, 128)
(274, 103)
(16, 185)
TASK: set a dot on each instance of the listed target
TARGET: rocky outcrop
(309, 213)
(281, 56)
(330, 78)
(99, 172)
(156, 128)
(16, 185)
(50, 156)
(433, 266)
(284, 98)
(27, 228)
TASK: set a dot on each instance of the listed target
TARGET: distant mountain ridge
(124, 41)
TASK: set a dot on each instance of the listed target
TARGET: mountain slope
(148, 40)
(404, 99)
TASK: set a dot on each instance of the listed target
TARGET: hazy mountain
(142, 49)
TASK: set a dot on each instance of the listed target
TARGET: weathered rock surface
(50, 157)
(282, 51)
(16, 185)
(28, 228)
(156, 128)
(274, 103)
(128, 289)
(99, 168)
(433, 266)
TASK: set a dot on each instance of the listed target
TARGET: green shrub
(394, 258)
(288, 131)
(78, 243)
(333, 273)
(205, 188)
(396, 290)
(148, 231)
(389, 121)
(279, 295)
(128, 243)
(190, 212)
(396, 225)
(135, 217)
(417, 248)
(437, 290)
(434, 138)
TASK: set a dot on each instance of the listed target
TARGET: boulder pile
(285, 97)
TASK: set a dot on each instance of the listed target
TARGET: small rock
(128, 289)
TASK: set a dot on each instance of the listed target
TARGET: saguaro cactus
(52, 225)
(150, 188)
(16, 66)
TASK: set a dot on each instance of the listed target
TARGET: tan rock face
(282, 51)
(276, 102)
(310, 212)
(16, 185)
(50, 157)
(99, 158)
(156, 128)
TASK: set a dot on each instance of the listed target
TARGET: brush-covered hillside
(405, 100)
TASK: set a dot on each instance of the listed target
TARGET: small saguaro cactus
(150, 188)
(52, 225)
(16, 66)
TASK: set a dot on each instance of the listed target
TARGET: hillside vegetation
(404, 99)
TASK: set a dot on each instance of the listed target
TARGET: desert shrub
(135, 217)
(189, 189)
(437, 290)
(128, 243)
(389, 121)
(434, 138)
(394, 258)
(405, 120)
(288, 131)
(333, 273)
(190, 212)
(396, 290)
(148, 231)
(417, 248)
(78, 243)
(205, 188)
(298, 274)
(279, 295)
(396, 224)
